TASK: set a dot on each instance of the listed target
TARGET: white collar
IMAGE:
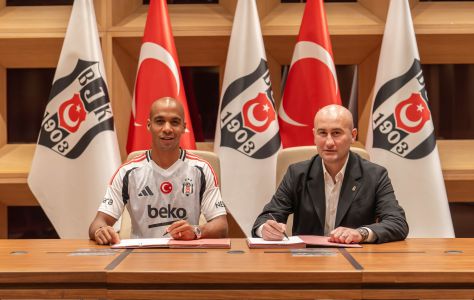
(340, 175)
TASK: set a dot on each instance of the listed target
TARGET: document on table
(296, 242)
(292, 242)
(201, 243)
(142, 243)
(323, 241)
(172, 243)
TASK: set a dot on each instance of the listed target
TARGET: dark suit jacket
(366, 199)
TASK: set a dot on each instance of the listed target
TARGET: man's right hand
(273, 231)
(106, 235)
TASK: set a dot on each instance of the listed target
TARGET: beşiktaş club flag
(401, 133)
(312, 80)
(77, 149)
(158, 75)
(247, 138)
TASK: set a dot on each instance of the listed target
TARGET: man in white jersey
(165, 190)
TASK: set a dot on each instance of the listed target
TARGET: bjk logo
(401, 118)
(78, 110)
(247, 118)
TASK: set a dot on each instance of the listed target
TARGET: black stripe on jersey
(182, 154)
(125, 194)
(148, 155)
(162, 224)
(203, 184)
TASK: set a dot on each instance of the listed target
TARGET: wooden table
(240, 273)
(52, 269)
(416, 268)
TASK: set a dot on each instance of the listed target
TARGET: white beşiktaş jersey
(155, 197)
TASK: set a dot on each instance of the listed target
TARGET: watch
(197, 231)
(364, 233)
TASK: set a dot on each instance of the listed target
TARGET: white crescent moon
(305, 49)
(284, 116)
(155, 51)
(68, 120)
(403, 117)
(251, 116)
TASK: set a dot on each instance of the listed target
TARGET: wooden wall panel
(367, 73)
(31, 52)
(123, 78)
(3, 106)
(3, 221)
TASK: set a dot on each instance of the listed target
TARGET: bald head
(167, 102)
(166, 125)
(334, 133)
(336, 113)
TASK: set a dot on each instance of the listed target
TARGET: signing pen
(277, 222)
(166, 232)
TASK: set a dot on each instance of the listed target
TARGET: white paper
(290, 241)
(138, 243)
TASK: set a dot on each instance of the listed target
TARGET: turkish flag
(312, 82)
(158, 75)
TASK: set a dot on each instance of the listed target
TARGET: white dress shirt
(332, 189)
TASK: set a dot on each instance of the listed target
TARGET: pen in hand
(166, 232)
(284, 233)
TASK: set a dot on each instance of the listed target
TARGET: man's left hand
(344, 235)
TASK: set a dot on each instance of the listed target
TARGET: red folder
(297, 242)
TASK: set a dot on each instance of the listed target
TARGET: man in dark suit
(336, 193)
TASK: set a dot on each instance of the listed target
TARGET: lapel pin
(354, 188)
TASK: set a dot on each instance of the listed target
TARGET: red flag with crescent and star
(158, 75)
(311, 82)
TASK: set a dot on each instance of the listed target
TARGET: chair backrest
(292, 155)
(134, 154)
(125, 221)
(213, 159)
